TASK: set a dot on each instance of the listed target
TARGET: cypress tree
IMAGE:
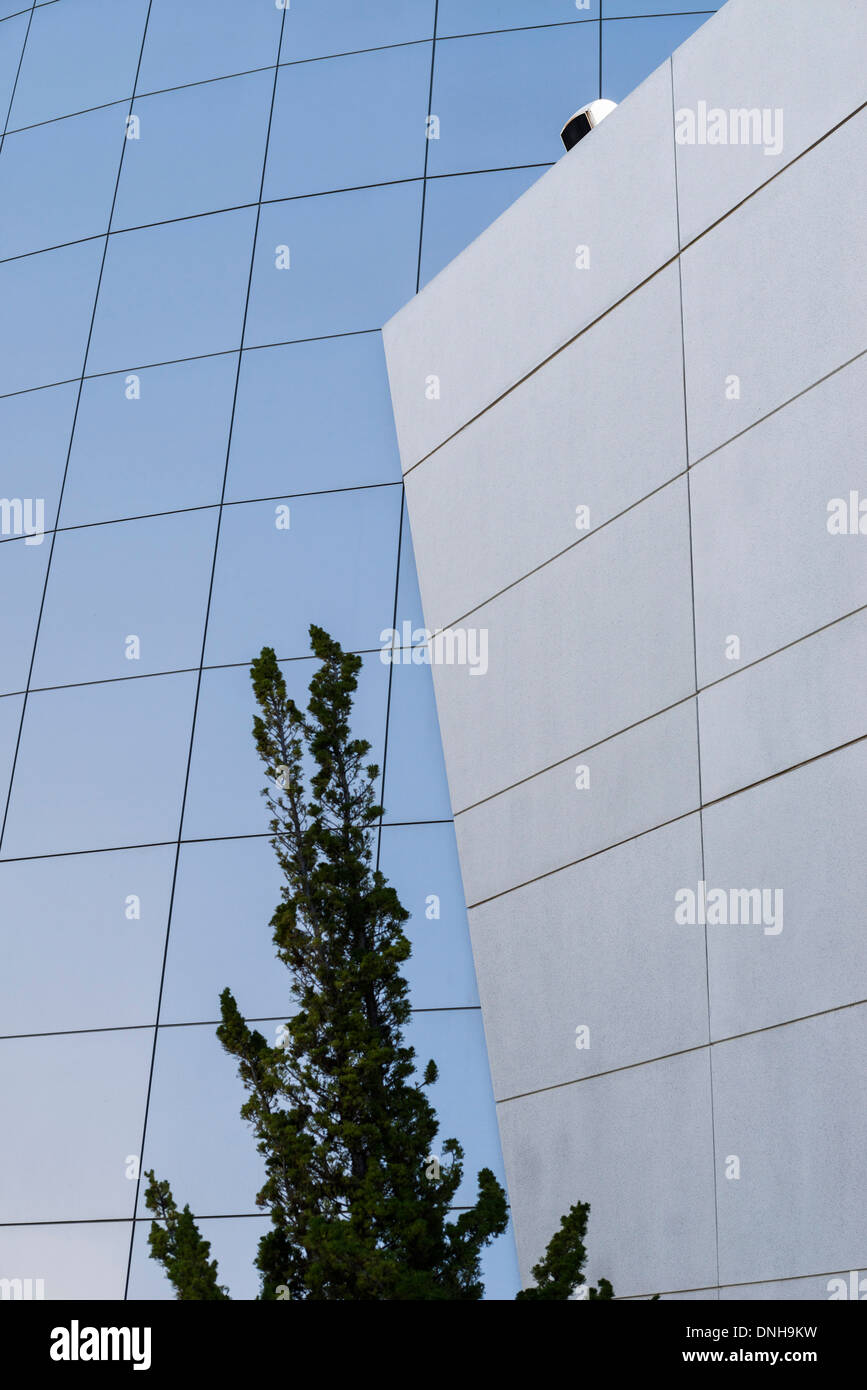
(359, 1205)
(180, 1247)
(561, 1270)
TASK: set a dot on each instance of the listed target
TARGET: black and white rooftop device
(584, 120)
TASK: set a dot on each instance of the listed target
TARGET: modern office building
(632, 418)
(209, 211)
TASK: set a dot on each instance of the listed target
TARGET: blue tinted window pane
(234, 1242)
(614, 8)
(195, 1134)
(80, 53)
(312, 416)
(199, 150)
(101, 765)
(148, 618)
(172, 291)
(34, 439)
(57, 181)
(462, 1097)
(72, 1112)
(353, 263)
(10, 720)
(11, 39)
(22, 573)
(74, 1261)
(409, 608)
(459, 209)
(502, 99)
(225, 896)
(335, 566)
(226, 775)
(415, 777)
(155, 444)
(344, 122)
(468, 16)
(421, 864)
(632, 49)
(47, 303)
(189, 43)
(313, 29)
(96, 963)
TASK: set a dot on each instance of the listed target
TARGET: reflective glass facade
(209, 210)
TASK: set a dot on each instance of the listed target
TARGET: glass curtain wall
(209, 209)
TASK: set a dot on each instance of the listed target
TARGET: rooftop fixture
(584, 120)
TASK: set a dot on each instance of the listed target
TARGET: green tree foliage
(180, 1248)
(359, 1201)
(561, 1270)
